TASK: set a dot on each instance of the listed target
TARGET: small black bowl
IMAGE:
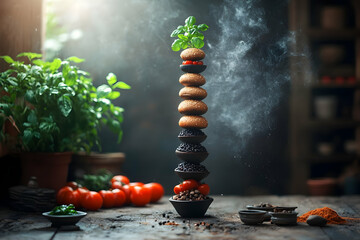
(192, 139)
(284, 218)
(198, 176)
(61, 220)
(191, 209)
(190, 68)
(267, 216)
(286, 208)
(252, 217)
(192, 157)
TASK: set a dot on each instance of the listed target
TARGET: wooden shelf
(335, 86)
(340, 158)
(335, 123)
(330, 34)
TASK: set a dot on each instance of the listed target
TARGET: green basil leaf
(32, 118)
(181, 36)
(55, 64)
(7, 59)
(75, 59)
(199, 35)
(197, 42)
(65, 105)
(111, 78)
(121, 85)
(203, 27)
(176, 45)
(29, 96)
(29, 55)
(113, 95)
(184, 45)
(103, 91)
(174, 33)
(190, 21)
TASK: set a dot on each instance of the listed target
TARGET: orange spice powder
(325, 212)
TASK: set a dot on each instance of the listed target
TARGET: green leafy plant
(54, 105)
(188, 35)
(97, 182)
(64, 210)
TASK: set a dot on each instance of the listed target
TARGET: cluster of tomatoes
(192, 62)
(192, 184)
(122, 192)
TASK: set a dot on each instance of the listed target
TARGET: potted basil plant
(56, 111)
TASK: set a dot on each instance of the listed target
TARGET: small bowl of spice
(64, 215)
(267, 207)
(283, 217)
(252, 217)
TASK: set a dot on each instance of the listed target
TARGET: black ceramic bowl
(285, 208)
(61, 220)
(198, 176)
(192, 157)
(284, 218)
(191, 209)
(190, 68)
(267, 216)
(252, 217)
(192, 139)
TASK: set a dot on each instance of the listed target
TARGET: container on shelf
(322, 186)
(325, 107)
(331, 54)
(333, 17)
(325, 148)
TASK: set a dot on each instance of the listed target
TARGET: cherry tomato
(120, 197)
(187, 62)
(200, 63)
(60, 196)
(73, 185)
(71, 197)
(116, 185)
(92, 201)
(140, 196)
(82, 193)
(189, 184)
(204, 189)
(108, 198)
(178, 189)
(157, 191)
(120, 178)
(133, 184)
(127, 191)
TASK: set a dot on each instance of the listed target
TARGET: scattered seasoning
(330, 215)
(191, 167)
(190, 195)
(265, 205)
(282, 211)
(191, 132)
(191, 147)
(173, 223)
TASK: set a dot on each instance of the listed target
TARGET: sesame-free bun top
(192, 54)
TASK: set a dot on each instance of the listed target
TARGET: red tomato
(120, 178)
(157, 191)
(187, 62)
(60, 196)
(133, 184)
(72, 197)
(204, 189)
(140, 196)
(120, 197)
(127, 191)
(200, 63)
(178, 189)
(189, 184)
(73, 185)
(108, 198)
(116, 185)
(82, 193)
(92, 201)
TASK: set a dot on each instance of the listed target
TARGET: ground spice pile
(330, 215)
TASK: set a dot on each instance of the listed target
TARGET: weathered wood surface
(143, 223)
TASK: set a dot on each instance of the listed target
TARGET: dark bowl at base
(252, 217)
(192, 139)
(61, 220)
(190, 68)
(284, 218)
(191, 209)
(198, 176)
(192, 157)
(267, 216)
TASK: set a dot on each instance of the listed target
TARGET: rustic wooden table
(148, 222)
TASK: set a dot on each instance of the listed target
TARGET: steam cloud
(245, 75)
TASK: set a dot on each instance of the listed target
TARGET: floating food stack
(191, 198)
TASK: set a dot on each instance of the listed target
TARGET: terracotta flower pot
(50, 169)
(322, 186)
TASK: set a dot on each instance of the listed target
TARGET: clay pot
(50, 169)
(333, 17)
(322, 187)
(90, 163)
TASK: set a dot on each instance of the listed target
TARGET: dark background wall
(247, 84)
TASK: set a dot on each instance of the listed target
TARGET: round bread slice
(192, 79)
(192, 107)
(196, 93)
(193, 122)
(192, 54)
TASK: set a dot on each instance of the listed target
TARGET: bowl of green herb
(64, 215)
